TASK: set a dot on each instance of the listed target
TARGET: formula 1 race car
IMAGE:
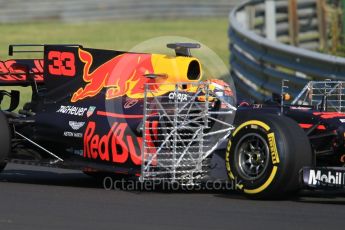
(154, 117)
(278, 148)
(149, 116)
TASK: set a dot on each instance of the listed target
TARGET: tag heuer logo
(75, 125)
(90, 111)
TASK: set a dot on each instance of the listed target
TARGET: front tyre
(264, 155)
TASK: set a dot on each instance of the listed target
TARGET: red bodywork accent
(308, 126)
(13, 72)
(149, 143)
(329, 115)
(118, 115)
(155, 129)
(128, 116)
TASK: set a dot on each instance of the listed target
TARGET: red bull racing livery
(156, 117)
(149, 116)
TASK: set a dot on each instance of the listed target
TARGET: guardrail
(88, 10)
(258, 64)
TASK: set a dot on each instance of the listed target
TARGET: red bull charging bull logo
(122, 75)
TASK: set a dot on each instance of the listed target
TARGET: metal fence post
(270, 20)
(321, 21)
(250, 11)
(335, 13)
(293, 23)
(343, 20)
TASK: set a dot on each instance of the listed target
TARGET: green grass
(118, 35)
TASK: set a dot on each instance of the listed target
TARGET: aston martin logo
(76, 125)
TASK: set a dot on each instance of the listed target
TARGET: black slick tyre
(265, 154)
(5, 141)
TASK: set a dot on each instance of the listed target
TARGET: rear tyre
(265, 154)
(5, 141)
(2, 166)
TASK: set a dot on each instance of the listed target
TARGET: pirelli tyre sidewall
(284, 148)
(5, 141)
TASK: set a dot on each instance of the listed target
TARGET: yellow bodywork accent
(203, 98)
(251, 122)
(265, 185)
(273, 148)
(227, 162)
(175, 68)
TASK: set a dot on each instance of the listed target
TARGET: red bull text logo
(117, 145)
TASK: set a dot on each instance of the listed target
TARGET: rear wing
(23, 72)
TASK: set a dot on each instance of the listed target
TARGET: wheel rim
(252, 154)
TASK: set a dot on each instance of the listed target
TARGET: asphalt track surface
(46, 198)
